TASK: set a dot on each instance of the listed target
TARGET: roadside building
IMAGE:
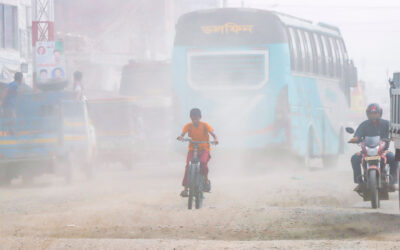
(101, 44)
(15, 39)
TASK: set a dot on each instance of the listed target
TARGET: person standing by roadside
(78, 85)
(8, 101)
(127, 84)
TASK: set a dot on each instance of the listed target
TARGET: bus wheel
(309, 150)
(330, 161)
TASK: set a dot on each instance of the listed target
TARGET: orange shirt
(199, 133)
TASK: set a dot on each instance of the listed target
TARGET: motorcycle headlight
(372, 151)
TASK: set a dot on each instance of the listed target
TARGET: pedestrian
(8, 101)
(128, 78)
(78, 85)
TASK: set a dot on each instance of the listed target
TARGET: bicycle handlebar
(197, 142)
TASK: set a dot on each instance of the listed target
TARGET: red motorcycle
(375, 170)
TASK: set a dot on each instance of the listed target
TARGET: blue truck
(50, 132)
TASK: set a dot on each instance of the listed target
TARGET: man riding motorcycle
(374, 126)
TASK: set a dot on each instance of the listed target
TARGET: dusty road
(258, 205)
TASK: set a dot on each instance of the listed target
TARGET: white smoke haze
(119, 30)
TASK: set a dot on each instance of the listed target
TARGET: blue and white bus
(264, 79)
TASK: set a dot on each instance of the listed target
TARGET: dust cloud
(268, 197)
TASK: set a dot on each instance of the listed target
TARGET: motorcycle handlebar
(360, 141)
(354, 142)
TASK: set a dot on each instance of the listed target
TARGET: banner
(50, 62)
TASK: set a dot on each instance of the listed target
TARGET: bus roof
(286, 19)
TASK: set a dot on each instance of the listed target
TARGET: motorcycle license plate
(372, 158)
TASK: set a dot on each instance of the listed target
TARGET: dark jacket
(369, 128)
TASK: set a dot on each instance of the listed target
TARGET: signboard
(227, 28)
(50, 62)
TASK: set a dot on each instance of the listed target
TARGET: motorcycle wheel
(373, 188)
(190, 199)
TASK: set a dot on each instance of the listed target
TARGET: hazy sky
(371, 29)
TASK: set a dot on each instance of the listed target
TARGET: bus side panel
(312, 104)
(336, 109)
(262, 119)
(305, 104)
(318, 106)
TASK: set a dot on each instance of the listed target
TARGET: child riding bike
(198, 131)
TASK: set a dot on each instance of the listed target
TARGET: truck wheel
(5, 177)
(63, 167)
(88, 169)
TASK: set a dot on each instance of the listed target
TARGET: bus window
(340, 52)
(339, 60)
(311, 53)
(328, 54)
(293, 49)
(320, 54)
(303, 51)
(335, 56)
(325, 55)
(344, 52)
(307, 49)
(300, 53)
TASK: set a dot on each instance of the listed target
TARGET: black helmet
(195, 113)
(78, 75)
(374, 108)
(18, 76)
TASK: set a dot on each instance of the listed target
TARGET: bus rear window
(237, 69)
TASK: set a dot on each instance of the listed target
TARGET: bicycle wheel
(190, 199)
(190, 185)
(199, 198)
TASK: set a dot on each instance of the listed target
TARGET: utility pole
(42, 26)
(42, 21)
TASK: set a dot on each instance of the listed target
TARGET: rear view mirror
(395, 82)
(351, 76)
(350, 130)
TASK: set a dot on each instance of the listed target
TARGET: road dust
(258, 203)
